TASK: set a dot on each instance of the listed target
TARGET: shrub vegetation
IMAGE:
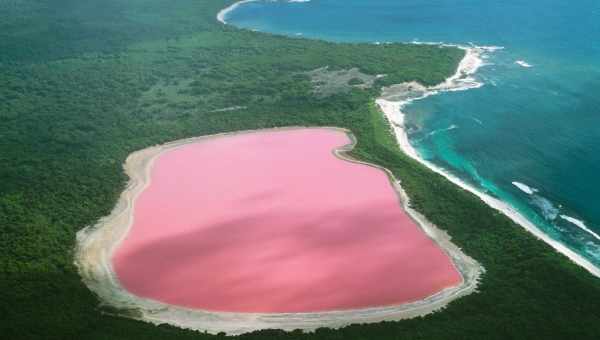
(85, 83)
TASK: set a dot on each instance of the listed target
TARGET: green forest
(85, 83)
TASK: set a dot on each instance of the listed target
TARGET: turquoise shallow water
(539, 126)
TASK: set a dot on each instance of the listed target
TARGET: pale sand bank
(223, 13)
(97, 243)
(394, 115)
(394, 98)
(303, 230)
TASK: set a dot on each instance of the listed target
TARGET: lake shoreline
(96, 244)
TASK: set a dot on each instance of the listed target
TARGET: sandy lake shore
(96, 244)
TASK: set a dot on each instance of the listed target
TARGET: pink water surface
(274, 222)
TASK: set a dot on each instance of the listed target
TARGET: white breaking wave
(393, 112)
(525, 188)
(580, 224)
(435, 132)
(523, 63)
(478, 121)
(463, 79)
(592, 249)
(549, 211)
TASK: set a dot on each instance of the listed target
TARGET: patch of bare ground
(328, 82)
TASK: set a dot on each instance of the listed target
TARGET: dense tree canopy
(85, 83)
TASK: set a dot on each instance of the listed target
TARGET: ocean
(530, 135)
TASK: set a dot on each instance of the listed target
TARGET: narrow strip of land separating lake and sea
(457, 132)
(268, 229)
(281, 229)
(213, 169)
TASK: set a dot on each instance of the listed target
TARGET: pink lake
(274, 222)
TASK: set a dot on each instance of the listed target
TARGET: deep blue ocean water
(539, 126)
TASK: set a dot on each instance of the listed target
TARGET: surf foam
(525, 188)
(549, 211)
(449, 128)
(462, 80)
(523, 63)
(581, 225)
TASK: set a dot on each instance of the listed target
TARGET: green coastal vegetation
(85, 83)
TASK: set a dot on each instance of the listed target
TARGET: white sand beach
(221, 16)
(463, 80)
